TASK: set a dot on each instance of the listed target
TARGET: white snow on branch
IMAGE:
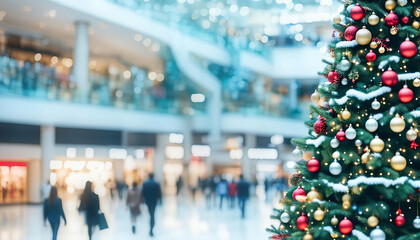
(337, 187)
(408, 76)
(378, 155)
(329, 60)
(391, 59)
(378, 116)
(415, 113)
(328, 229)
(362, 96)
(392, 110)
(316, 142)
(346, 44)
(359, 235)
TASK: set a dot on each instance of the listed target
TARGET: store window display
(13, 182)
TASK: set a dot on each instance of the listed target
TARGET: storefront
(13, 182)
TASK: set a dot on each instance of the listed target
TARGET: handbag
(102, 224)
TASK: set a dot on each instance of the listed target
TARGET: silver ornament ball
(376, 105)
(358, 143)
(351, 133)
(344, 65)
(335, 168)
(334, 143)
(293, 208)
(371, 124)
(416, 223)
(285, 217)
(402, 3)
(377, 234)
(344, 81)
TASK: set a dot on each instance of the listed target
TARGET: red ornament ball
(357, 12)
(313, 165)
(346, 226)
(405, 19)
(320, 126)
(298, 192)
(302, 222)
(350, 32)
(405, 94)
(371, 56)
(391, 19)
(389, 78)
(408, 49)
(399, 220)
(332, 77)
(341, 135)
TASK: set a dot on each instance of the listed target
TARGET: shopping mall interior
(109, 91)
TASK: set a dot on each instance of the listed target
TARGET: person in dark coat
(89, 205)
(53, 211)
(152, 195)
(179, 184)
(243, 194)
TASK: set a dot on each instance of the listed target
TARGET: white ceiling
(106, 40)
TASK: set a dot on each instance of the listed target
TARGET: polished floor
(176, 219)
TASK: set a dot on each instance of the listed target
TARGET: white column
(81, 60)
(47, 150)
(162, 140)
(187, 139)
(34, 180)
(250, 142)
(214, 110)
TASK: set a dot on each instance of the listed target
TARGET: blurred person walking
(243, 194)
(152, 195)
(232, 191)
(46, 188)
(133, 201)
(207, 190)
(222, 191)
(179, 184)
(53, 212)
(89, 205)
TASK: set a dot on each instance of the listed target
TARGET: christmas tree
(360, 180)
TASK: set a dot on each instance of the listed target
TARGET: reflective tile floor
(175, 219)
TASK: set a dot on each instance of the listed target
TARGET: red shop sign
(12, 164)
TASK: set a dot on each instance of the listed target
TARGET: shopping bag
(102, 221)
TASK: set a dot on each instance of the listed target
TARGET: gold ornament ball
(397, 124)
(416, 25)
(355, 189)
(373, 45)
(334, 221)
(372, 221)
(394, 31)
(398, 162)
(315, 97)
(366, 157)
(307, 156)
(307, 236)
(346, 197)
(313, 194)
(416, 82)
(373, 19)
(363, 36)
(282, 227)
(381, 50)
(346, 205)
(390, 4)
(319, 215)
(337, 19)
(411, 134)
(377, 145)
(345, 114)
(416, 12)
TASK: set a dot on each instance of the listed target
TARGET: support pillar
(81, 60)
(293, 96)
(250, 142)
(47, 150)
(162, 140)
